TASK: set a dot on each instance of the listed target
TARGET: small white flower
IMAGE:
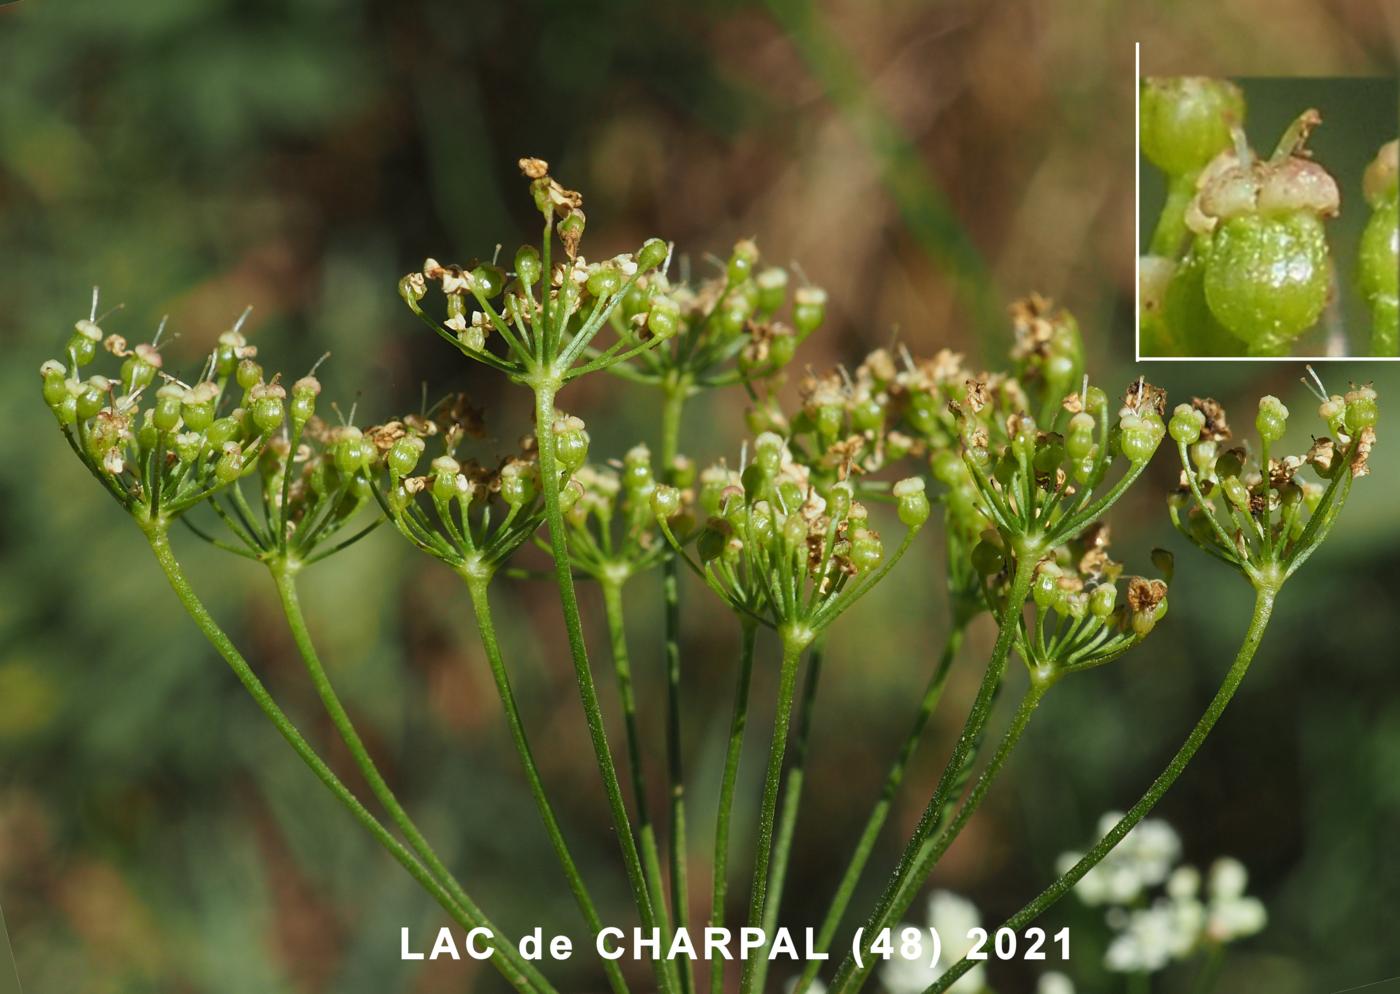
(954, 918)
(1185, 882)
(815, 987)
(1236, 919)
(1054, 983)
(1145, 944)
(1143, 859)
(1228, 879)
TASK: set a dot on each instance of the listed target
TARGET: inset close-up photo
(1267, 217)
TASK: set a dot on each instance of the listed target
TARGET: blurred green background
(925, 162)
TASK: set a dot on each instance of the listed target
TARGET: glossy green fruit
(1378, 271)
(1192, 327)
(1267, 278)
(1185, 120)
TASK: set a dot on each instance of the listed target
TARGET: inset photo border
(1268, 219)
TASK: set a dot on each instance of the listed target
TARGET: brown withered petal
(1142, 396)
(384, 436)
(1216, 428)
(1364, 444)
(1322, 454)
(977, 395)
(1144, 595)
(534, 168)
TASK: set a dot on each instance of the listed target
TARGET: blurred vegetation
(924, 162)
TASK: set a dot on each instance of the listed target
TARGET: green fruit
(1378, 271)
(1267, 278)
(1185, 120)
(1194, 330)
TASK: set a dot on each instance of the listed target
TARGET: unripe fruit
(1267, 278)
(913, 502)
(741, 262)
(570, 444)
(772, 289)
(249, 374)
(866, 551)
(1186, 120)
(1102, 600)
(652, 254)
(527, 265)
(303, 405)
(223, 430)
(93, 396)
(604, 281)
(808, 309)
(488, 280)
(1272, 420)
(404, 455)
(664, 317)
(1186, 424)
(1079, 443)
(230, 464)
(987, 559)
(169, 403)
(666, 502)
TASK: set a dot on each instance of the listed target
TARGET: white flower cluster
(954, 918)
(1179, 921)
(1141, 861)
(1054, 983)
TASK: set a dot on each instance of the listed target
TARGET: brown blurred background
(925, 162)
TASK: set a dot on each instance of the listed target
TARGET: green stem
(787, 819)
(866, 844)
(725, 808)
(478, 590)
(850, 977)
(673, 408)
(787, 685)
(935, 848)
(583, 675)
(283, 578)
(622, 666)
(1210, 970)
(1259, 621)
(521, 974)
(1171, 223)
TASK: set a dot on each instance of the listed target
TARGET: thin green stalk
(478, 590)
(583, 675)
(725, 808)
(521, 974)
(787, 686)
(1171, 231)
(935, 848)
(671, 413)
(1259, 621)
(792, 800)
(283, 576)
(850, 977)
(866, 844)
(651, 856)
(1210, 970)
